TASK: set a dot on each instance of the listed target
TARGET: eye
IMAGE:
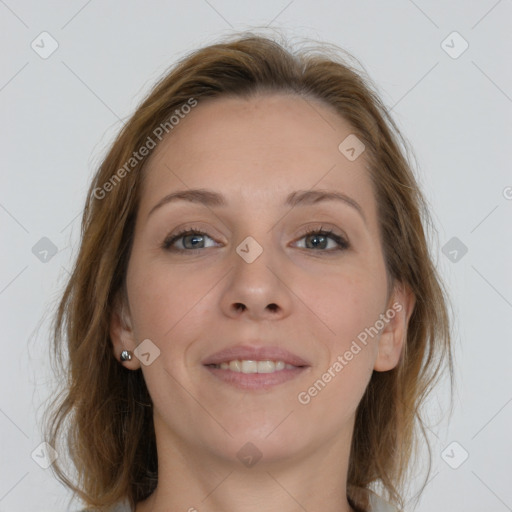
(187, 240)
(320, 238)
(191, 239)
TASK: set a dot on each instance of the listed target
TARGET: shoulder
(377, 504)
(120, 507)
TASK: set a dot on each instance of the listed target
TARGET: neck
(192, 479)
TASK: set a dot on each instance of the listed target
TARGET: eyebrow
(298, 198)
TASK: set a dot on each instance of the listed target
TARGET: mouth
(253, 368)
(250, 366)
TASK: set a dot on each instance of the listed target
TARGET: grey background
(60, 113)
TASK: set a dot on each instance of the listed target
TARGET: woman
(254, 318)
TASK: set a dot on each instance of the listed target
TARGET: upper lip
(255, 353)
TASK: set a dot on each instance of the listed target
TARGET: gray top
(377, 504)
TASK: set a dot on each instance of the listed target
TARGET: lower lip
(255, 381)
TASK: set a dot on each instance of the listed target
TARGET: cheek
(349, 306)
(348, 303)
(163, 298)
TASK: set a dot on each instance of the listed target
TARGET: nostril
(239, 306)
(272, 307)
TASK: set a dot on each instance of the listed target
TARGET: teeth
(249, 366)
(266, 366)
(280, 365)
(235, 366)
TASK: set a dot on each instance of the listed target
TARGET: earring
(126, 355)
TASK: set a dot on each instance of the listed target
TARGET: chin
(269, 442)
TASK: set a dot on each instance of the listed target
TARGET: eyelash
(168, 242)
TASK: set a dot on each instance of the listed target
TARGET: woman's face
(248, 289)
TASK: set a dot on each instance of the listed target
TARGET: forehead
(256, 149)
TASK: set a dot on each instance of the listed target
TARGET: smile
(249, 374)
(250, 366)
(255, 367)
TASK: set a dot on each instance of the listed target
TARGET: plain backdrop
(71, 72)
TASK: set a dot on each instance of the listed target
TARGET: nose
(257, 290)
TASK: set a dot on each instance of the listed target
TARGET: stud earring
(126, 355)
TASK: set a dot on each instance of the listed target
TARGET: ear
(121, 334)
(394, 333)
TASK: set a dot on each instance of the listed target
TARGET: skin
(311, 301)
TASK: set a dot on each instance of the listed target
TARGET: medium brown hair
(104, 415)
